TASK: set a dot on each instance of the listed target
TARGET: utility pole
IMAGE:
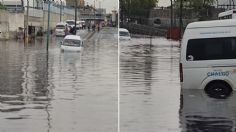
(171, 18)
(27, 23)
(233, 3)
(49, 6)
(76, 6)
(180, 18)
(60, 10)
(94, 13)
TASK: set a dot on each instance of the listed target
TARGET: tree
(2, 6)
(200, 7)
(196, 4)
(136, 7)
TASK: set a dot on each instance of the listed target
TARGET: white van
(72, 43)
(71, 23)
(80, 24)
(208, 57)
(60, 29)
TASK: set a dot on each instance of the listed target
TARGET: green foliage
(196, 4)
(200, 7)
(137, 7)
(2, 6)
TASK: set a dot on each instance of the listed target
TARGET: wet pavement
(59, 91)
(149, 85)
(199, 113)
(151, 99)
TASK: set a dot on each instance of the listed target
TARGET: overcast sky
(113, 4)
(108, 4)
(164, 3)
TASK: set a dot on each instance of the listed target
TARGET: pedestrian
(73, 30)
(98, 27)
(66, 30)
(93, 27)
(88, 27)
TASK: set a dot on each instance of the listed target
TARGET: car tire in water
(218, 90)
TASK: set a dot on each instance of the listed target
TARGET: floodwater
(151, 99)
(199, 113)
(149, 85)
(59, 91)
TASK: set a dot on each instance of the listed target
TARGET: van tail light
(181, 72)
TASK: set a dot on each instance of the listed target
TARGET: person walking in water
(98, 26)
(66, 30)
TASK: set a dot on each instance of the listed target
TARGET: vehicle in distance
(124, 34)
(71, 23)
(60, 29)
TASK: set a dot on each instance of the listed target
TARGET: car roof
(61, 23)
(70, 20)
(214, 23)
(123, 29)
(73, 37)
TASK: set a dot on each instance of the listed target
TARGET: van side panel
(196, 74)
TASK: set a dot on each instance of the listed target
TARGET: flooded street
(151, 99)
(60, 91)
(149, 85)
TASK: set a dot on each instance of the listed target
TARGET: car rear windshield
(60, 26)
(71, 42)
(70, 22)
(124, 33)
(211, 49)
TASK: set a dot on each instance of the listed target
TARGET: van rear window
(211, 49)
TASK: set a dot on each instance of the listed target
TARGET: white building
(32, 3)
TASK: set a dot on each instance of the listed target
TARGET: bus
(230, 14)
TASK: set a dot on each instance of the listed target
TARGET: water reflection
(199, 112)
(24, 84)
(53, 91)
(147, 75)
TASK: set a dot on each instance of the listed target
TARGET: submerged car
(124, 34)
(72, 43)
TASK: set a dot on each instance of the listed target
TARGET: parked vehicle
(80, 24)
(71, 23)
(124, 34)
(230, 14)
(72, 43)
(60, 29)
(208, 57)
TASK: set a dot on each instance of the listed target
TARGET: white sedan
(72, 43)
